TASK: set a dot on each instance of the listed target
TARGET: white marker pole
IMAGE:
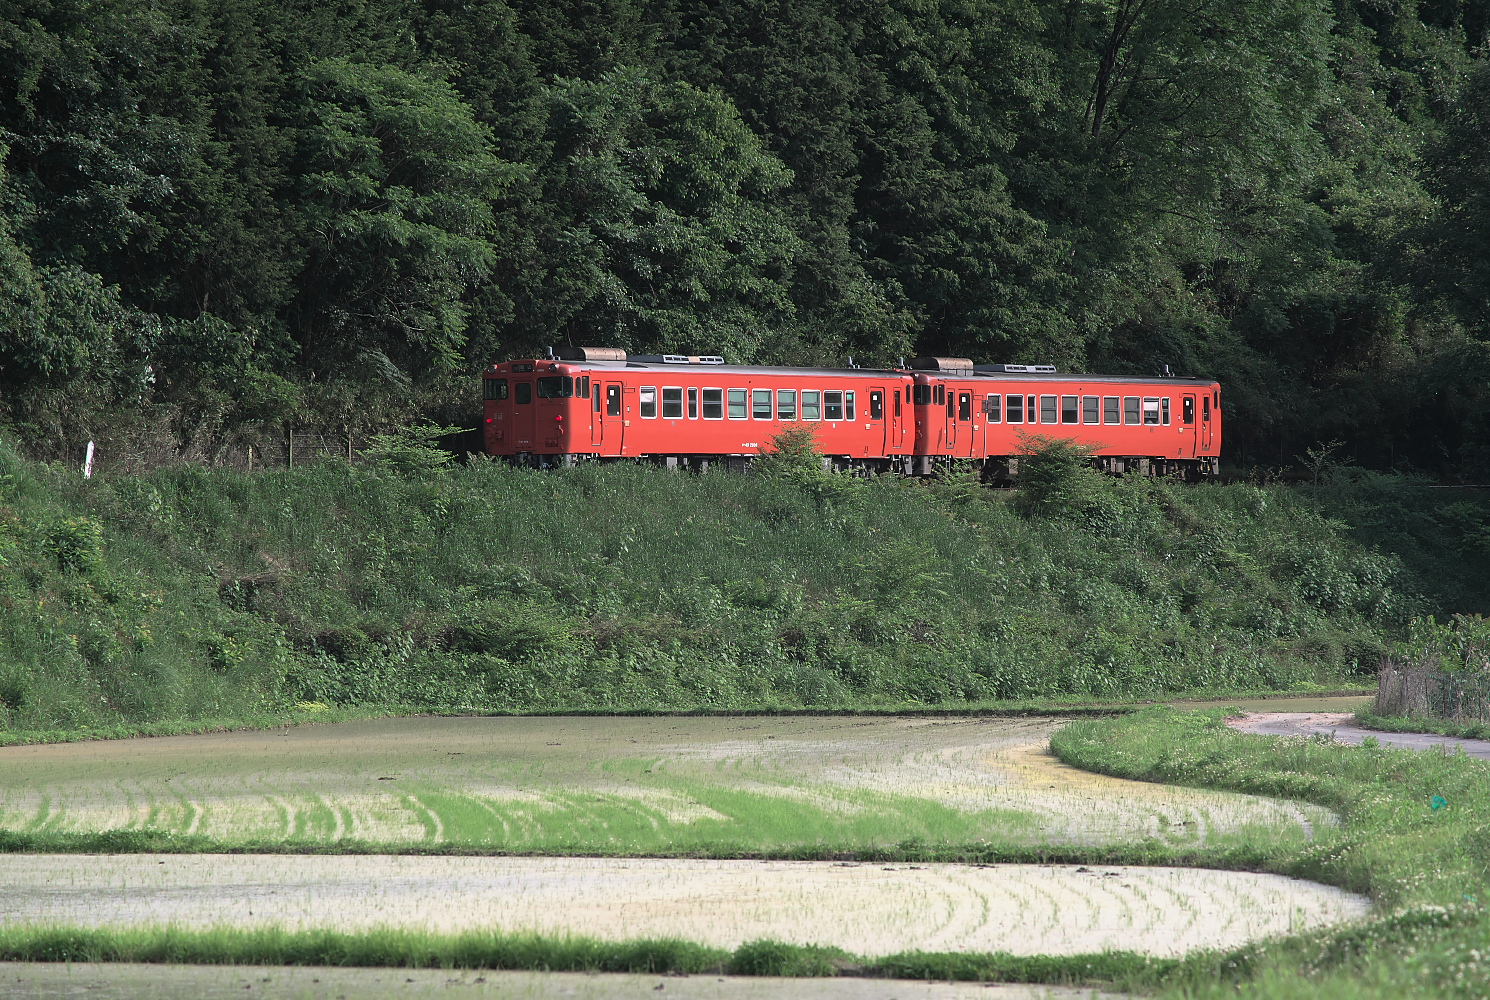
(88, 463)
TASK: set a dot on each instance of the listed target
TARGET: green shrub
(76, 543)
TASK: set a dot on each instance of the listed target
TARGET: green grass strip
(486, 950)
(1367, 719)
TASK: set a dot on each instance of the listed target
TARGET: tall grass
(193, 593)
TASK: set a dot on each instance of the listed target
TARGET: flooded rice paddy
(871, 910)
(624, 785)
(188, 982)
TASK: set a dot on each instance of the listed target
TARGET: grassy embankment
(191, 598)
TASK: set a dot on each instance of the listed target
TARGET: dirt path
(194, 982)
(870, 910)
(1339, 725)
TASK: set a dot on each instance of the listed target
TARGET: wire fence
(1405, 689)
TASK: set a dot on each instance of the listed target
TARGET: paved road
(1338, 723)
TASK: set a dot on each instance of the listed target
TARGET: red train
(598, 403)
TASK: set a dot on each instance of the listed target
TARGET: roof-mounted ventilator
(591, 354)
(942, 364)
(1029, 369)
(677, 359)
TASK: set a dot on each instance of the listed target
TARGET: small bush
(1055, 476)
(791, 453)
(77, 545)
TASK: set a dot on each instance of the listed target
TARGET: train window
(1047, 409)
(848, 406)
(1112, 411)
(1150, 411)
(923, 395)
(786, 404)
(1164, 411)
(1216, 399)
(1016, 410)
(672, 402)
(496, 388)
(1205, 407)
(760, 404)
(964, 406)
(737, 404)
(522, 392)
(713, 404)
(583, 390)
(555, 387)
(991, 408)
(1069, 411)
(832, 406)
(876, 405)
(812, 404)
(949, 405)
(1089, 408)
(1130, 409)
(1029, 408)
(612, 401)
(896, 394)
(597, 398)
(1187, 410)
(941, 395)
(647, 401)
(692, 403)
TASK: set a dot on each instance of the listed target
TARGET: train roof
(540, 365)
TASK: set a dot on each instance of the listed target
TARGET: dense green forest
(221, 216)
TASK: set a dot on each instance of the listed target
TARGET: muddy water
(868, 909)
(189, 982)
(624, 785)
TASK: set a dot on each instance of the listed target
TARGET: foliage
(410, 450)
(1055, 476)
(376, 200)
(1425, 867)
(1461, 644)
(793, 452)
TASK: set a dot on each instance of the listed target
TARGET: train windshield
(555, 387)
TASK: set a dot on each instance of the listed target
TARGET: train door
(878, 434)
(964, 417)
(1187, 422)
(941, 416)
(596, 403)
(1205, 422)
(522, 416)
(615, 427)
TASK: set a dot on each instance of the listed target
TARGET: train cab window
(555, 387)
(692, 403)
(1016, 410)
(522, 393)
(737, 399)
(1205, 407)
(923, 395)
(896, 394)
(964, 406)
(496, 388)
(1216, 399)
(713, 404)
(1187, 410)
(812, 404)
(760, 404)
(786, 404)
(991, 408)
(647, 401)
(832, 406)
(1150, 411)
(612, 401)
(848, 406)
(1089, 409)
(1069, 412)
(876, 405)
(582, 387)
(1047, 409)
(672, 402)
(941, 395)
(1112, 411)
(1164, 411)
(1130, 409)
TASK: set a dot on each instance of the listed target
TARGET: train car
(981, 413)
(680, 410)
(598, 403)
